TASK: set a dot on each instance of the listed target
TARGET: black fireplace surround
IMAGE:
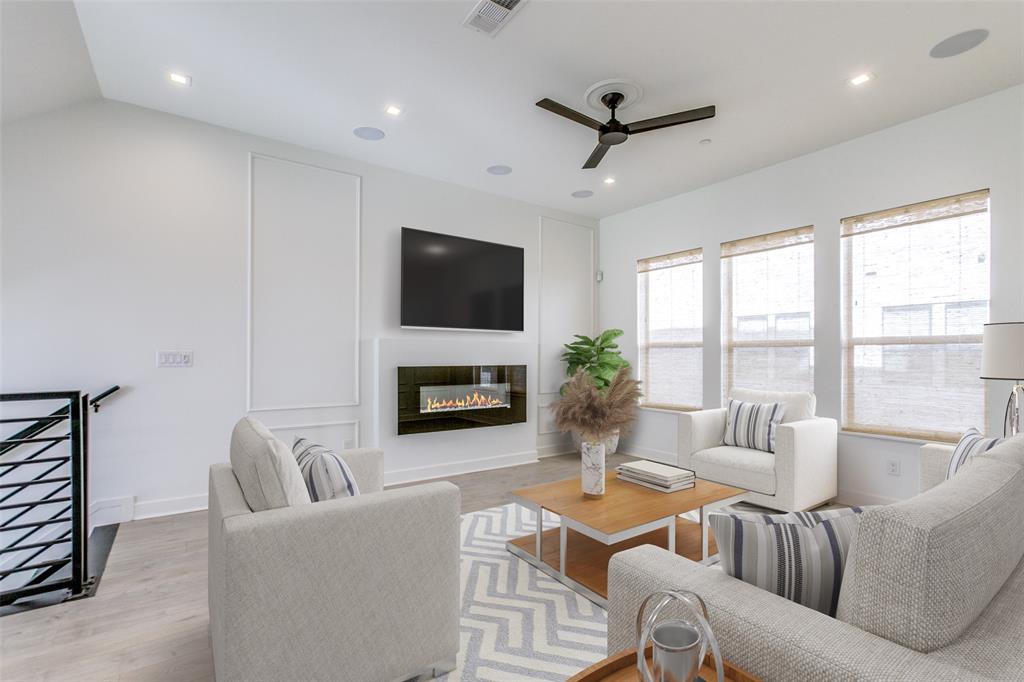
(452, 397)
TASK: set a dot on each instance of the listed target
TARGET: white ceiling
(45, 61)
(310, 72)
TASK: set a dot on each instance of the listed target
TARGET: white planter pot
(592, 469)
(611, 443)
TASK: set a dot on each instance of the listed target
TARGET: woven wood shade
(767, 242)
(768, 312)
(670, 330)
(914, 214)
(669, 260)
(915, 296)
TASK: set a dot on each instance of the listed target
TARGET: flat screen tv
(457, 283)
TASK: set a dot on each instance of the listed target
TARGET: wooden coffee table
(629, 515)
(622, 668)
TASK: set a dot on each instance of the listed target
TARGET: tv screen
(458, 283)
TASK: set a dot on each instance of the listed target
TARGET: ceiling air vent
(489, 16)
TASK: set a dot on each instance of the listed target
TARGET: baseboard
(170, 505)
(467, 466)
(860, 498)
(555, 450)
(112, 510)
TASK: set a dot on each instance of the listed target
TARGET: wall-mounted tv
(457, 283)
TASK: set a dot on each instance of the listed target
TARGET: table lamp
(1002, 357)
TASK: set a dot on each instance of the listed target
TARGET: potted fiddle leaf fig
(600, 358)
(595, 415)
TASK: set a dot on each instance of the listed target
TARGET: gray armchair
(363, 588)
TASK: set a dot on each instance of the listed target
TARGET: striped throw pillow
(326, 475)
(971, 443)
(801, 563)
(752, 425)
(806, 519)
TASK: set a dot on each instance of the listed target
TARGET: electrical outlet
(174, 358)
(892, 467)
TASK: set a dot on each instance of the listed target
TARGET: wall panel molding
(566, 291)
(288, 202)
(309, 427)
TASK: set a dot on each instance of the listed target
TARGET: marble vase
(611, 443)
(592, 469)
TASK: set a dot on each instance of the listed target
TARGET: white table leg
(672, 535)
(703, 534)
(540, 531)
(563, 544)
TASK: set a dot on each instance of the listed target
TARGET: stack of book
(662, 477)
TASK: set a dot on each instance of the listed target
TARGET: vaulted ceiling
(311, 72)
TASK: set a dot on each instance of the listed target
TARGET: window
(768, 312)
(670, 330)
(915, 297)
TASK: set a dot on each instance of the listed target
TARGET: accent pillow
(326, 475)
(264, 467)
(971, 443)
(806, 519)
(752, 425)
(800, 563)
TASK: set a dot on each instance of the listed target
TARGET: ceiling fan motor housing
(613, 132)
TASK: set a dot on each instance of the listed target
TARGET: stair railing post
(78, 530)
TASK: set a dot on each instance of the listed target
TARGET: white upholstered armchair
(799, 475)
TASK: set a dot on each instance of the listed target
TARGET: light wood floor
(148, 620)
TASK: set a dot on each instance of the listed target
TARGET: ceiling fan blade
(571, 114)
(671, 120)
(595, 157)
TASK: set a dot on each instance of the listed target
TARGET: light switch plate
(174, 358)
(892, 467)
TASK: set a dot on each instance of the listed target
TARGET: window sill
(885, 437)
(669, 410)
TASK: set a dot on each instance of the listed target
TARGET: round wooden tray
(622, 668)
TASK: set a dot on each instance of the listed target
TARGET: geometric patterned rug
(517, 623)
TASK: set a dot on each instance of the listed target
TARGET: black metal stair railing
(44, 496)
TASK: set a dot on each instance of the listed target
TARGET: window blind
(915, 298)
(670, 330)
(768, 311)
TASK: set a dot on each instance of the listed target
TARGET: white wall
(126, 230)
(968, 147)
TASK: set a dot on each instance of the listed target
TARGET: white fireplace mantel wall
(419, 456)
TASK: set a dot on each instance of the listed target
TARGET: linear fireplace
(453, 397)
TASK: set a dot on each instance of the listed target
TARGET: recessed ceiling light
(499, 170)
(392, 110)
(181, 79)
(583, 194)
(960, 43)
(368, 133)
(861, 79)
(706, 140)
(609, 181)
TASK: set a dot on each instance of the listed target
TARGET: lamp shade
(1002, 353)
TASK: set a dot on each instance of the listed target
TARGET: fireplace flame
(467, 403)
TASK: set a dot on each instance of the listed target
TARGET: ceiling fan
(614, 132)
